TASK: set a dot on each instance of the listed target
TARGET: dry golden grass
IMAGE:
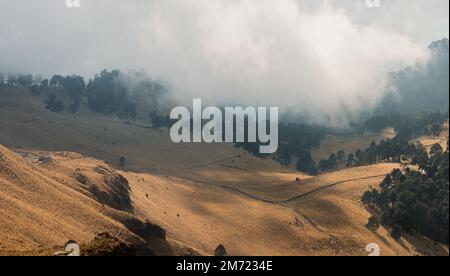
(320, 216)
(333, 144)
(42, 205)
(24, 123)
(38, 209)
(429, 141)
(203, 195)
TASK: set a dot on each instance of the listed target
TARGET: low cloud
(320, 57)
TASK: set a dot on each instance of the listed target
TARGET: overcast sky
(318, 54)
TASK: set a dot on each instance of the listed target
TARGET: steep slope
(42, 207)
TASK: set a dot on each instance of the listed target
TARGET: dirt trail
(281, 202)
(327, 187)
(214, 162)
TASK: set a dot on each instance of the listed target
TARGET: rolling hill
(53, 187)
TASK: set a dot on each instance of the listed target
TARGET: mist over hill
(420, 88)
(422, 85)
(88, 148)
(136, 95)
(320, 57)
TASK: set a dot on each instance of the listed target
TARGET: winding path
(329, 186)
(214, 162)
(280, 202)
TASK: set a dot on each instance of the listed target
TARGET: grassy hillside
(201, 194)
(44, 203)
(333, 144)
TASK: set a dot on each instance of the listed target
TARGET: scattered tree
(373, 224)
(341, 156)
(396, 232)
(122, 162)
(55, 105)
(350, 160)
(332, 160)
(436, 148)
(220, 251)
(435, 129)
(306, 164)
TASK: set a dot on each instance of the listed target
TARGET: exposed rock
(106, 245)
(146, 229)
(220, 251)
(116, 191)
(81, 178)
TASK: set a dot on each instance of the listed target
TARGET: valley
(64, 181)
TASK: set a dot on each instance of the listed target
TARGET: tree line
(109, 93)
(296, 140)
(18, 79)
(414, 201)
(407, 126)
(395, 150)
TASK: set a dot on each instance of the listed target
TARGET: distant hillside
(421, 88)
